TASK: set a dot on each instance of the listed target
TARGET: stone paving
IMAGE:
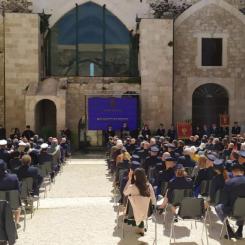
(79, 211)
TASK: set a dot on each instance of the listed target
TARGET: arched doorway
(45, 118)
(208, 102)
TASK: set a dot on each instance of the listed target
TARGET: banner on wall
(184, 130)
(224, 120)
(103, 112)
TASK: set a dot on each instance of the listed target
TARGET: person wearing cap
(241, 159)
(9, 182)
(186, 160)
(140, 192)
(165, 174)
(25, 171)
(44, 156)
(152, 160)
(4, 155)
(178, 182)
(234, 188)
(218, 181)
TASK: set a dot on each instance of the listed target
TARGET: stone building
(55, 54)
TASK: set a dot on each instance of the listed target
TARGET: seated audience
(26, 171)
(9, 182)
(234, 188)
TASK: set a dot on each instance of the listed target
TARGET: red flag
(224, 120)
(184, 130)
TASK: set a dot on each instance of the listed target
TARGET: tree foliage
(16, 6)
(168, 8)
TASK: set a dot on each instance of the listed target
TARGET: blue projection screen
(103, 112)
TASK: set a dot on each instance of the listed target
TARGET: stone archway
(208, 102)
(46, 118)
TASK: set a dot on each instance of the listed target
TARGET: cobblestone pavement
(79, 211)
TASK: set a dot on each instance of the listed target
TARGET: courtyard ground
(79, 211)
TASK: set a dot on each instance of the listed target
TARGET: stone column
(1, 71)
(156, 65)
(21, 64)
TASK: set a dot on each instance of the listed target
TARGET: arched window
(90, 34)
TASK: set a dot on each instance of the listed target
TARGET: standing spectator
(214, 130)
(161, 130)
(236, 129)
(108, 133)
(28, 133)
(146, 132)
(205, 130)
(125, 130)
(172, 132)
(197, 131)
(2, 132)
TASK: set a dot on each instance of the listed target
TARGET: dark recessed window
(212, 51)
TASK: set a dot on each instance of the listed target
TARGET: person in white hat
(4, 155)
(44, 156)
(21, 148)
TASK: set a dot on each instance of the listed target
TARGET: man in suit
(26, 171)
(161, 130)
(234, 188)
(108, 133)
(236, 129)
(28, 133)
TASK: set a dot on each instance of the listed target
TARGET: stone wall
(156, 65)
(21, 64)
(1, 71)
(213, 20)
